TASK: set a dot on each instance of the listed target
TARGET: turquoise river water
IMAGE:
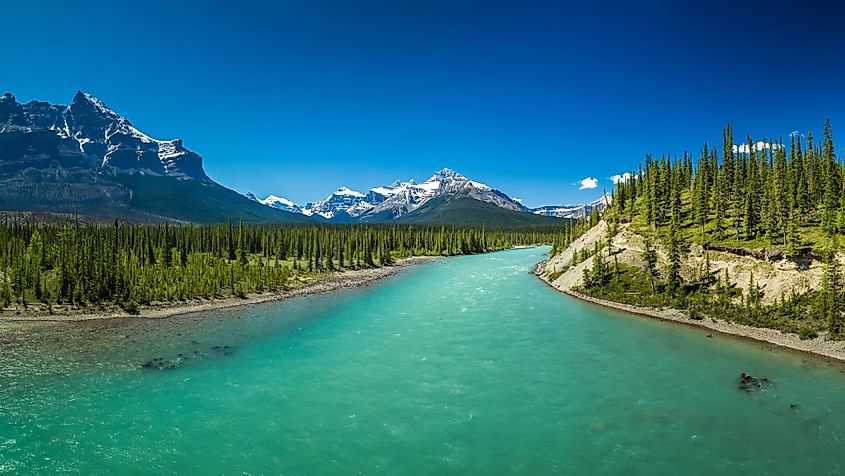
(465, 365)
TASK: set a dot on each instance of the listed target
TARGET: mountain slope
(202, 202)
(86, 159)
(463, 209)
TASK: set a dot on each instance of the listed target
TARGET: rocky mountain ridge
(394, 201)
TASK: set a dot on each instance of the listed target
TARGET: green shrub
(806, 333)
(131, 307)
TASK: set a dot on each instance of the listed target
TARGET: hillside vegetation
(749, 233)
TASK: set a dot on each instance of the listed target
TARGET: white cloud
(517, 200)
(588, 182)
(621, 178)
(743, 148)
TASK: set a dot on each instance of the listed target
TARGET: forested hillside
(775, 201)
(760, 194)
(79, 265)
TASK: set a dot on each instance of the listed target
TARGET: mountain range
(574, 211)
(86, 159)
(406, 201)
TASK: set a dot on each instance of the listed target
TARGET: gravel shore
(820, 346)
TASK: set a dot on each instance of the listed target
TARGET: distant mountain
(278, 203)
(462, 209)
(85, 158)
(447, 196)
(342, 205)
(573, 211)
(405, 197)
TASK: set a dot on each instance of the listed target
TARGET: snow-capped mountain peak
(273, 201)
(346, 191)
(281, 203)
(396, 187)
(344, 201)
(278, 200)
(446, 172)
(107, 139)
(81, 99)
(400, 198)
(451, 181)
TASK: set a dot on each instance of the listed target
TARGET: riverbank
(818, 347)
(329, 283)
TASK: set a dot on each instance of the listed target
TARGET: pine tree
(701, 198)
(599, 273)
(673, 275)
(242, 255)
(833, 294)
(650, 259)
(832, 184)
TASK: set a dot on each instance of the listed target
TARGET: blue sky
(298, 97)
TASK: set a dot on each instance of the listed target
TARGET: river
(460, 365)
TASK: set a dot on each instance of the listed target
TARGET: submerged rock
(159, 363)
(222, 349)
(749, 383)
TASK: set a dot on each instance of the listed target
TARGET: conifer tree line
(79, 264)
(782, 196)
(765, 191)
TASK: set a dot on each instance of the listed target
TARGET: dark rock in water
(222, 349)
(160, 364)
(748, 383)
(710, 335)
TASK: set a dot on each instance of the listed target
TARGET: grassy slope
(690, 232)
(197, 202)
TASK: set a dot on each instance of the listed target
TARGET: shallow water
(461, 365)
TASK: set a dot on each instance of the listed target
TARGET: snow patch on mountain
(344, 191)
